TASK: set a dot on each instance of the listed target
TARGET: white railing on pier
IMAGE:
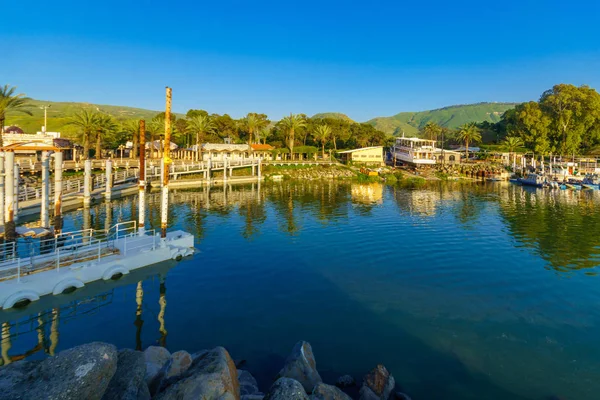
(29, 256)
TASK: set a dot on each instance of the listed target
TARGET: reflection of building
(418, 151)
(371, 193)
(366, 155)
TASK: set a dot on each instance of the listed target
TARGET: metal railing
(29, 256)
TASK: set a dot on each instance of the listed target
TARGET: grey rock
(211, 376)
(128, 380)
(144, 392)
(155, 357)
(248, 384)
(179, 363)
(345, 381)
(327, 392)
(83, 372)
(301, 366)
(286, 389)
(378, 384)
(257, 396)
(402, 396)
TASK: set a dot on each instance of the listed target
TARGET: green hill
(450, 117)
(59, 112)
(333, 115)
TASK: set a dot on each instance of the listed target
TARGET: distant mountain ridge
(408, 123)
(452, 117)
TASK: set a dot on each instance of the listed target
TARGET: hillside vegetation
(450, 117)
(333, 115)
(59, 113)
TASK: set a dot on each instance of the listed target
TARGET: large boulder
(286, 389)
(83, 372)
(327, 392)
(248, 385)
(301, 366)
(179, 363)
(128, 382)
(156, 358)
(378, 384)
(211, 376)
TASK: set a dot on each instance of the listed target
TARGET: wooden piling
(166, 164)
(45, 207)
(142, 178)
(58, 222)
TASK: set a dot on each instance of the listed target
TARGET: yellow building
(366, 155)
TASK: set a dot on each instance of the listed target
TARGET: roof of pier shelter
(225, 147)
(262, 147)
(37, 146)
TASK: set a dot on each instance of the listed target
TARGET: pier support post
(17, 174)
(224, 169)
(258, 169)
(2, 188)
(58, 162)
(9, 204)
(208, 168)
(142, 179)
(166, 162)
(45, 209)
(87, 183)
(108, 187)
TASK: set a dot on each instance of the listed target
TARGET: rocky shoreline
(98, 371)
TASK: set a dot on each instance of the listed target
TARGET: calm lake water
(464, 291)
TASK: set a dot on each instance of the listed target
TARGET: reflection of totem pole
(40, 331)
(139, 297)
(161, 314)
(54, 332)
(5, 345)
(108, 217)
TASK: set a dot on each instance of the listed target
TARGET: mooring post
(2, 188)
(9, 204)
(166, 162)
(87, 183)
(58, 162)
(108, 184)
(45, 209)
(142, 179)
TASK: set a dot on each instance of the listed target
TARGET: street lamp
(45, 108)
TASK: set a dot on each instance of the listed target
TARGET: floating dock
(71, 260)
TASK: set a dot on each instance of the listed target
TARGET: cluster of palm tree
(93, 124)
(10, 101)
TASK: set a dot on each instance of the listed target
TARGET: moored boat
(534, 180)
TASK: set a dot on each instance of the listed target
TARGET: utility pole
(45, 108)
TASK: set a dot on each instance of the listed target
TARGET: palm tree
(469, 133)
(322, 134)
(512, 143)
(156, 127)
(11, 102)
(432, 130)
(87, 121)
(105, 126)
(132, 128)
(264, 134)
(201, 125)
(252, 123)
(290, 125)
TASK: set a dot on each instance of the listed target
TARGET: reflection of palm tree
(254, 214)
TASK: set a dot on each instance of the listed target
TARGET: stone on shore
(328, 392)
(301, 366)
(129, 379)
(248, 385)
(83, 372)
(180, 362)
(378, 384)
(345, 381)
(211, 376)
(286, 389)
(155, 357)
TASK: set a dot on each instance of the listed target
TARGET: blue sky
(365, 59)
